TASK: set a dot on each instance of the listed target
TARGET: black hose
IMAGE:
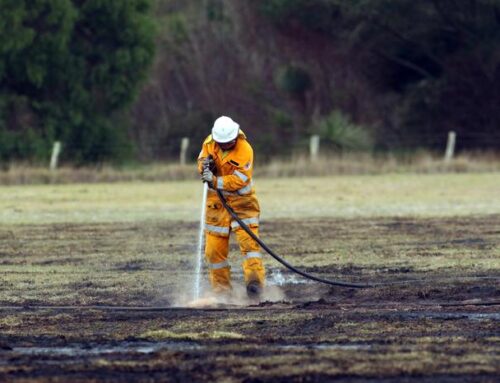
(332, 282)
(281, 260)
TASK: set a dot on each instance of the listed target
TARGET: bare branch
(408, 40)
(405, 63)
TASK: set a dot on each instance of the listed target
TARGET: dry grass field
(69, 252)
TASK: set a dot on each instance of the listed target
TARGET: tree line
(118, 79)
(67, 71)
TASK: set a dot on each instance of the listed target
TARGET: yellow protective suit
(234, 178)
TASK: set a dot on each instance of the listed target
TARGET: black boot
(254, 290)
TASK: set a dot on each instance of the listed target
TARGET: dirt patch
(306, 342)
(442, 326)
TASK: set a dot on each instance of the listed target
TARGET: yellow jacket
(234, 167)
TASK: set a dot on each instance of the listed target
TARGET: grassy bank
(297, 166)
(335, 196)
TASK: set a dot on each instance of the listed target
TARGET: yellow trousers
(217, 250)
(219, 225)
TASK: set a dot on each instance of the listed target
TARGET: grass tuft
(157, 335)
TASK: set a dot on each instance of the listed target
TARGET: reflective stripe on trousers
(248, 221)
(253, 254)
(217, 229)
(216, 266)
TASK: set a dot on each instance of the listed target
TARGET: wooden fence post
(314, 147)
(184, 148)
(450, 146)
(56, 150)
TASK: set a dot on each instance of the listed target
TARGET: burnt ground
(443, 326)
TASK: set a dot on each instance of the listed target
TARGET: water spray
(201, 236)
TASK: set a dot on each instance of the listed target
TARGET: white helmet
(225, 130)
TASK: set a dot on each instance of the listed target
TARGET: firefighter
(226, 163)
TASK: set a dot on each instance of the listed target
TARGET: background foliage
(66, 68)
(402, 72)
(373, 74)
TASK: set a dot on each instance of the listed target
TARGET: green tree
(67, 68)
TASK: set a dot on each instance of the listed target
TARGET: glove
(208, 177)
(209, 163)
